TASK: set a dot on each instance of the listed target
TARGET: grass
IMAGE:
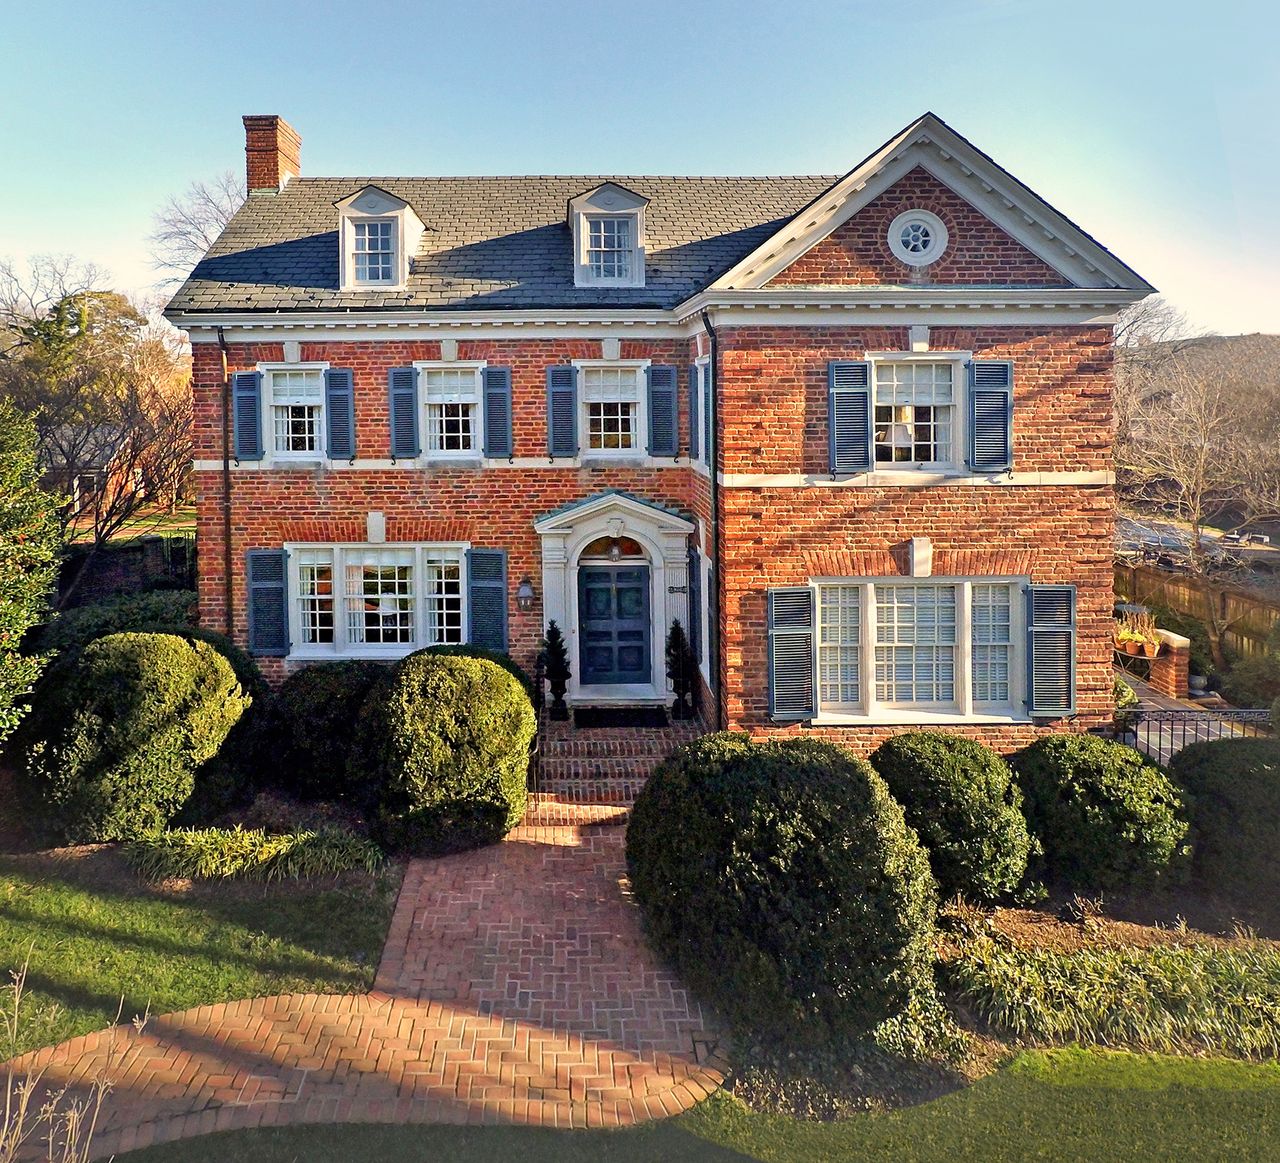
(1054, 1105)
(95, 933)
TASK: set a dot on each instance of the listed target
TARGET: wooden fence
(1251, 618)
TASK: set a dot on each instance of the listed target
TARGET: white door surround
(664, 536)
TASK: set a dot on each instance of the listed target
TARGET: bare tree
(188, 224)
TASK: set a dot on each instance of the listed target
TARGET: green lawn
(1059, 1105)
(95, 934)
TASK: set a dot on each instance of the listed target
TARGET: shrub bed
(1233, 788)
(111, 750)
(72, 630)
(500, 657)
(1168, 999)
(222, 853)
(960, 797)
(315, 712)
(445, 741)
(1105, 815)
(783, 883)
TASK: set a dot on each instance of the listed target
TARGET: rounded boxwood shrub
(1233, 788)
(445, 742)
(117, 736)
(782, 881)
(1106, 816)
(962, 800)
(316, 710)
(503, 659)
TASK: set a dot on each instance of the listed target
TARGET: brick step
(596, 767)
(607, 748)
(597, 790)
(549, 811)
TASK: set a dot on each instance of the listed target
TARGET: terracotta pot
(1132, 647)
(1151, 649)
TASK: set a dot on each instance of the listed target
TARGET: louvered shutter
(664, 438)
(402, 388)
(497, 412)
(1051, 650)
(246, 415)
(693, 412)
(849, 415)
(708, 418)
(487, 598)
(695, 604)
(791, 654)
(268, 602)
(340, 414)
(562, 410)
(990, 415)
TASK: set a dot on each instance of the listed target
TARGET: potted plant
(557, 662)
(1147, 633)
(682, 670)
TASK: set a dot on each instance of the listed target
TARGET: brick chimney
(271, 150)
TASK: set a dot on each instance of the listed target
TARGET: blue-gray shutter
(664, 410)
(693, 412)
(990, 415)
(695, 604)
(791, 694)
(708, 418)
(268, 602)
(246, 415)
(849, 415)
(340, 414)
(402, 391)
(497, 412)
(1051, 650)
(487, 598)
(562, 410)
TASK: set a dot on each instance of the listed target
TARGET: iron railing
(1162, 734)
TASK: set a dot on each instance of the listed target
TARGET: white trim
(609, 200)
(270, 456)
(587, 454)
(957, 361)
(938, 234)
(381, 206)
(473, 455)
(425, 464)
(913, 478)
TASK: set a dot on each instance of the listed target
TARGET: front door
(613, 624)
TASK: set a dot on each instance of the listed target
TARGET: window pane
(374, 250)
(991, 643)
(839, 618)
(915, 643)
(445, 580)
(611, 425)
(450, 427)
(296, 428)
(315, 595)
(380, 597)
(609, 247)
(914, 413)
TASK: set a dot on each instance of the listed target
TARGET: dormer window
(608, 237)
(375, 250)
(378, 233)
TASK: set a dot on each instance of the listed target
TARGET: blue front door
(613, 624)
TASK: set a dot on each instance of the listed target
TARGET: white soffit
(934, 146)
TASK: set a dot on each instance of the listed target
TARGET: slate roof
(499, 243)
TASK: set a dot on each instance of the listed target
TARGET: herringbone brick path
(515, 987)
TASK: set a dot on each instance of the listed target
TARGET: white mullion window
(915, 414)
(379, 600)
(610, 245)
(992, 650)
(613, 420)
(445, 600)
(374, 251)
(840, 647)
(453, 410)
(314, 597)
(915, 653)
(295, 404)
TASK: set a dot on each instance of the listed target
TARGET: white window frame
(959, 361)
(397, 243)
(267, 404)
(476, 366)
(423, 553)
(639, 368)
(937, 231)
(583, 274)
(702, 366)
(965, 709)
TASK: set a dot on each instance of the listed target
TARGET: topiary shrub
(1106, 816)
(782, 881)
(503, 659)
(1233, 788)
(112, 750)
(444, 743)
(315, 710)
(961, 798)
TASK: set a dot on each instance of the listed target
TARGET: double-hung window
(938, 648)
(376, 600)
(375, 250)
(453, 410)
(296, 402)
(610, 246)
(915, 414)
(613, 418)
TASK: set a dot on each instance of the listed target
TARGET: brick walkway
(514, 987)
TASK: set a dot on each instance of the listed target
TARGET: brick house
(454, 409)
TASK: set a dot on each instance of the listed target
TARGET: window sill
(908, 718)
(614, 460)
(313, 654)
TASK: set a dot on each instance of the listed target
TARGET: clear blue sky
(1152, 124)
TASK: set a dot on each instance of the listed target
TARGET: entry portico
(615, 576)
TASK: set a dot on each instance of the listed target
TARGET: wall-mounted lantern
(525, 595)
